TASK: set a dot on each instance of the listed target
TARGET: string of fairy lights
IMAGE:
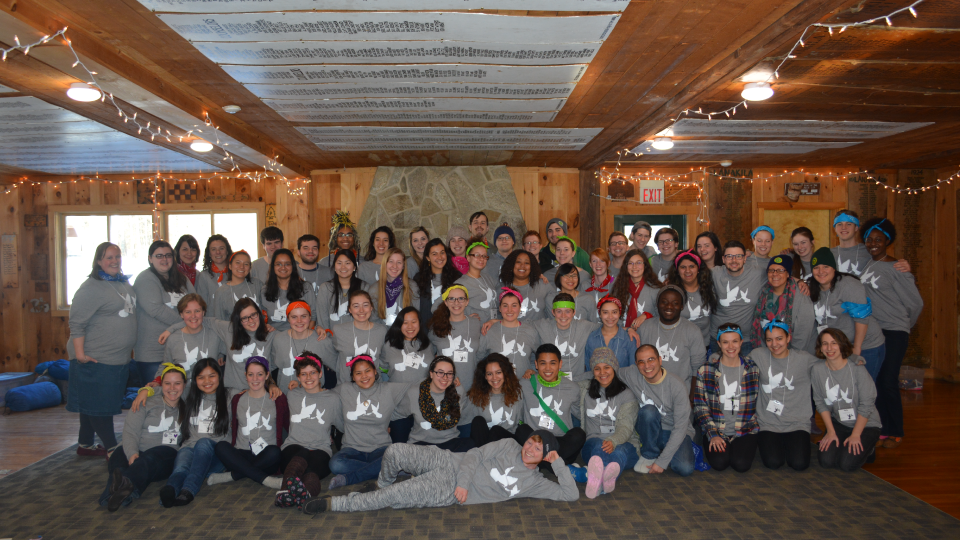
(271, 170)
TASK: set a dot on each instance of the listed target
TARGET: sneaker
(880, 442)
(594, 477)
(317, 505)
(892, 442)
(643, 465)
(219, 478)
(579, 473)
(610, 474)
(337, 481)
(167, 495)
(92, 451)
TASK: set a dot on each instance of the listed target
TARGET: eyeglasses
(481, 257)
(617, 244)
(456, 300)
(732, 257)
(248, 318)
(345, 235)
(666, 241)
(635, 263)
(163, 256)
(443, 374)
(776, 271)
(531, 243)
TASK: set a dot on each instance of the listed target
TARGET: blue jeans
(357, 466)
(193, 465)
(152, 465)
(147, 371)
(654, 438)
(624, 455)
(874, 359)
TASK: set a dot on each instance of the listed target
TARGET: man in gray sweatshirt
(495, 472)
(737, 288)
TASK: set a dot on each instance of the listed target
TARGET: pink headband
(689, 254)
(606, 299)
(315, 361)
(353, 360)
(508, 290)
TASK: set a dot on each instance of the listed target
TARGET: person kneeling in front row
(496, 472)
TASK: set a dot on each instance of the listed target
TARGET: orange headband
(298, 304)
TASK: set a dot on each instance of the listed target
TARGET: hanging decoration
(272, 169)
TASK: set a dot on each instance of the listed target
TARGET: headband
(606, 299)
(763, 228)
(877, 227)
(167, 367)
(354, 360)
(674, 288)
(565, 305)
(568, 239)
(688, 255)
(446, 293)
(298, 304)
(508, 290)
(776, 324)
(257, 360)
(846, 218)
(729, 330)
(315, 361)
(235, 253)
(475, 244)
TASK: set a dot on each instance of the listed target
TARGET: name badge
(258, 446)
(205, 426)
(775, 407)
(847, 415)
(608, 429)
(170, 437)
(460, 356)
(546, 422)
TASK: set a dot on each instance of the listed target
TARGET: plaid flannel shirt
(706, 399)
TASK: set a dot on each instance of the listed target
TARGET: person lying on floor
(497, 472)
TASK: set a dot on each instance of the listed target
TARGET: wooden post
(590, 212)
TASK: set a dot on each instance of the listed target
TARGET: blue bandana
(846, 218)
(777, 324)
(119, 277)
(773, 235)
(728, 330)
(877, 227)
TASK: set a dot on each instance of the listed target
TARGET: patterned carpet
(56, 498)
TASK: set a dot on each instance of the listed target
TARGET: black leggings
(792, 448)
(889, 404)
(101, 425)
(838, 456)
(482, 435)
(570, 443)
(739, 454)
(318, 461)
(246, 464)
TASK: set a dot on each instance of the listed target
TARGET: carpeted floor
(56, 498)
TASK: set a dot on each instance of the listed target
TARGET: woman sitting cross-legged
(494, 402)
(150, 439)
(435, 406)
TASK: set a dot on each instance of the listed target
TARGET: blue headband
(763, 228)
(877, 227)
(728, 330)
(846, 218)
(777, 324)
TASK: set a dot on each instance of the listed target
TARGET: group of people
(475, 365)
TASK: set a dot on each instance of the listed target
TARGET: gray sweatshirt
(329, 314)
(697, 312)
(156, 310)
(277, 311)
(319, 275)
(586, 307)
(610, 419)
(562, 398)
(482, 295)
(492, 269)
(852, 260)
(661, 266)
(284, 351)
(233, 370)
(462, 345)
(407, 365)
(534, 306)
(435, 293)
(369, 272)
(390, 313)
(496, 413)
(785, 381)
(896, 301)
(260, 269)
(185, 349)
(518, 344)
(496, 472)
(366, 413)
(849, 389)
(672, 400)
(412, 268)
(646, 303)
(737, 298)
(227, 296)
(571, 343)
(145, 429)
(104, 313)
(311, 416)
(350, 341)
(680, 345)
(422, 430)
(202, 424)
(830, 314)
(551, 276)
(803, 324)
(256, 419)
(207, 287)
(757, 262)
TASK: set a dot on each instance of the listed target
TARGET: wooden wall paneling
(558, 194)
(293, 214)
(956, 283)
(527, 189)
(590, 212)
(13, 349)
(355, 187)
(326, 201)
(731, 209)
(945, 259)
(35, 272)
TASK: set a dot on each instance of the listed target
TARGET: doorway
(624, 223)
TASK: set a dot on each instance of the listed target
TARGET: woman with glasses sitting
(781, 299)
(435, 404)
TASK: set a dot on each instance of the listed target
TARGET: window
(657, 222)
(240, 227)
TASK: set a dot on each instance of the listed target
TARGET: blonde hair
(382, 283)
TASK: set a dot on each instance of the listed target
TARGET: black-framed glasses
(443, 374)
(248, 318)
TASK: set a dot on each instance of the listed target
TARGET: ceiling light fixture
(201, 145)
(232, 109)
(726, 163)
(662, 143)
(756, 91)
(83, 92)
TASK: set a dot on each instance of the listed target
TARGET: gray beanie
(604, 355)
(558, 221)
(550, 442)
(458, 231)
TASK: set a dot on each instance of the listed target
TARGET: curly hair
(704, 282)
(448, 276)
(621, 285)
(846, 348)
(207, 259)
(506, 270)
(479, 393)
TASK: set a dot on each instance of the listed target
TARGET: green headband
(568, 239)
(475, 244)
(564, 304)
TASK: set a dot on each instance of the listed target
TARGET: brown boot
(295, 468)
(312, 482)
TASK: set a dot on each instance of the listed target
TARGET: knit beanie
(458, 231)
(504, 229)
(825, 257)
(785, 261)
(604, 355)
(550, 442)
(558, 221)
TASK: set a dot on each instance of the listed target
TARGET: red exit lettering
(652, 195)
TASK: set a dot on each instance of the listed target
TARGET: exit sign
(651, 191)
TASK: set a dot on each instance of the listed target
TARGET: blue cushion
(58, 369)
(33, 396)
(130, 396)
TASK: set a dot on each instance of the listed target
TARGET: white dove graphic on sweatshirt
(598, 409)
(823, 314)
(644, 400)
(490, 297)
(505, 480)
(265, 422)
(412, 359)
(363, 349)
(731, 296)
(290, 371)
(848, 266)
(697, 312)
(362, 407)
(775, 381)
(204, 415)
(245, 352)
(435, 292)
(174, 300)
(868, 278)
(164, 425)
(190, 356)
(129, 306)
(341, 311)
(528, 306)
(497, 417)
(832, 393)
(253, 420)
(280, 312)
(729, 395)
(538, 410)
(668, 354)
(305, 412)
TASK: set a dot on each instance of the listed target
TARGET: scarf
(449, 414)
(393, 290)
(634, 294)
(217, 272)
(120, 278)
(601, 288)
(560, 376)
(770, 307)
(189, 271)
